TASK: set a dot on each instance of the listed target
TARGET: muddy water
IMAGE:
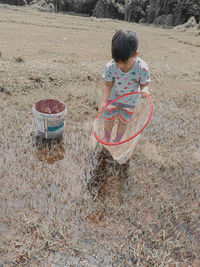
(98, 163)
(63, 181)
(49, 106)
(102, 166)
(90, 209)
(48, 150)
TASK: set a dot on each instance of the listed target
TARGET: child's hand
(144, 90)
(102, 106)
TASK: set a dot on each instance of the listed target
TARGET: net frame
(139, 131)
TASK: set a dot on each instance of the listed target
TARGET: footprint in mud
(104, 176)
(48, 150)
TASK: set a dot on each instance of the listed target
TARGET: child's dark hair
(124, 45)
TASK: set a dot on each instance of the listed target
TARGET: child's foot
(105, 139)
(117, 138)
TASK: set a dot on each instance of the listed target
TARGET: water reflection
(88, 171)
(101, 170)
(48, 150)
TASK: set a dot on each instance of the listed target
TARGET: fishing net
(122, 151)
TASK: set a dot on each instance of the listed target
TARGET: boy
(125, 73)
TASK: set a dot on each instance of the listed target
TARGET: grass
(63, 204)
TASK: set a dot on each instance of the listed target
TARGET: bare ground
(64, 205)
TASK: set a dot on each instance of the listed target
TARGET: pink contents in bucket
(49, 106)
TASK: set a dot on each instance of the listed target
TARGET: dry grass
(190, 26)
(63, 204)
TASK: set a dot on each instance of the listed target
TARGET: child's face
(127, 65)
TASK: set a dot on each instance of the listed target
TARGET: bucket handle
(45, 128)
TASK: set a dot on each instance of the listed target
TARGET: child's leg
(108, 125)
(125, 115)
(122, 126)
(109, 115)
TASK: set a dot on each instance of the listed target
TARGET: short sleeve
(108, 73)
(145, 75)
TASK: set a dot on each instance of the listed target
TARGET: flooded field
(64, 203)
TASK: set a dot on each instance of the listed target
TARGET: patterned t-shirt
(126, 82)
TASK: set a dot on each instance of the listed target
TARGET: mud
(49, 106)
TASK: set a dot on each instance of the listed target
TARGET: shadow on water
(48, 150)
(103, 170)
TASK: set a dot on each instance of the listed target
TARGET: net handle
(138, 132)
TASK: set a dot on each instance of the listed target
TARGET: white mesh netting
(122, 152)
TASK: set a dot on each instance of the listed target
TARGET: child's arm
(105, 94)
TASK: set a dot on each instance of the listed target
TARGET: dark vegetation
(166, 13)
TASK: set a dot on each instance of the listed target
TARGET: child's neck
(129, 67)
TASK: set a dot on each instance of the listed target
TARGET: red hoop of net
(144, 124)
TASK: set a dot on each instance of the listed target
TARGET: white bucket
(49, 117)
